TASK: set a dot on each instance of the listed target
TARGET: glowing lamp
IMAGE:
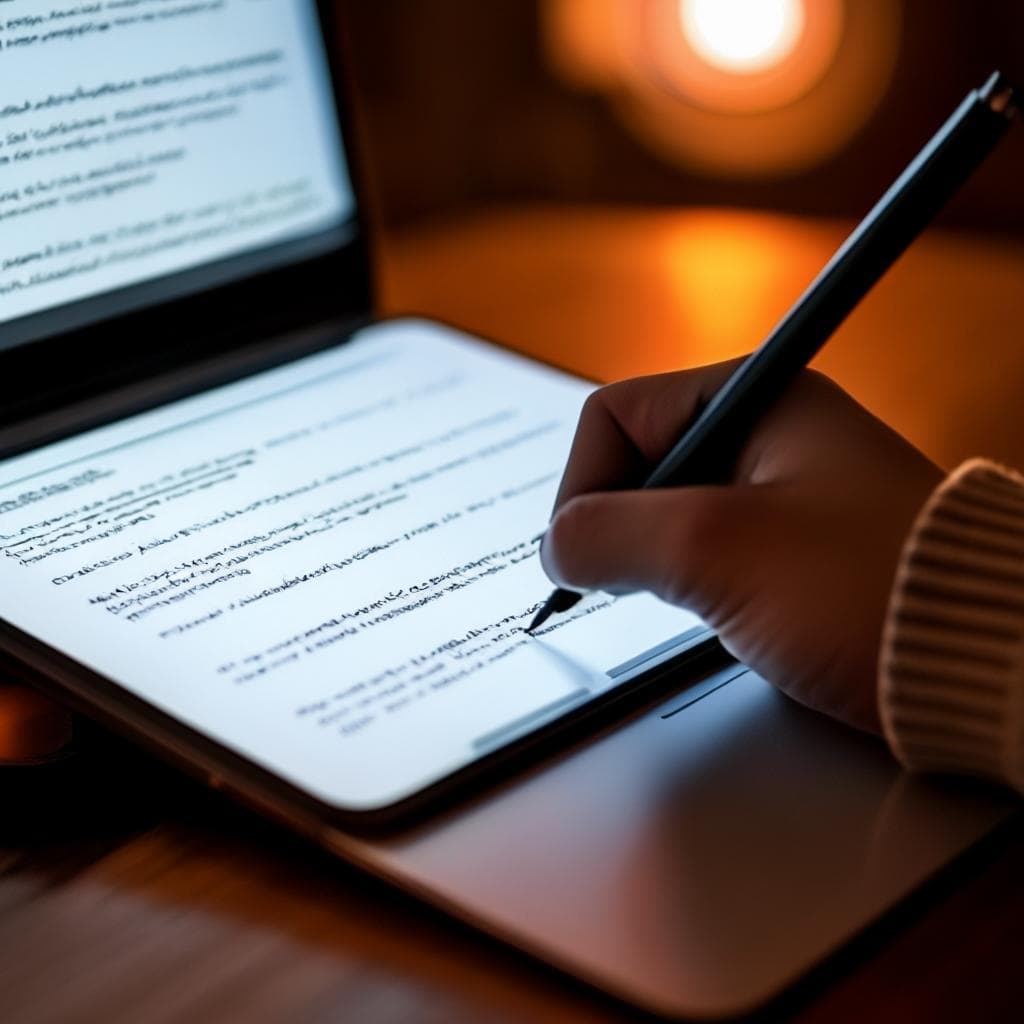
(742, 36)
(748, 88)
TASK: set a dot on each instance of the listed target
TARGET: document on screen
(327, 567)
(141, 138)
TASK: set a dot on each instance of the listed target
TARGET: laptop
(293, 548)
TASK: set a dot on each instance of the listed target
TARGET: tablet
(325, 569)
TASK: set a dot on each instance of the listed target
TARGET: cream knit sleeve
(951, 685)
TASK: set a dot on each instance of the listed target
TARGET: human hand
(791, 564)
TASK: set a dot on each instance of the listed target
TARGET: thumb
(683, 544)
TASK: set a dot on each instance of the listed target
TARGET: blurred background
(808, 106)
(625, 186)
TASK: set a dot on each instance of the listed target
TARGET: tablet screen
(328, 567)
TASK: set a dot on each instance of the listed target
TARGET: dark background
(458, 107)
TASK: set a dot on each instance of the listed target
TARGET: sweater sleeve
(951, 681)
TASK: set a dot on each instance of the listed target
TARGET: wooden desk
(128, 894)
(937, 349)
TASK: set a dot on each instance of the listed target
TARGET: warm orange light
(749, 88)
(732, 275)
(742, 36)
(742, 56)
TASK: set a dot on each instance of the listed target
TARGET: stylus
(708, 448)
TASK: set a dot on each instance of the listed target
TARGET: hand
(791, 564)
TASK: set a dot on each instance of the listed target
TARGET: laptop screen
(153, 148)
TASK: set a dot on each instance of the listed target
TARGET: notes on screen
(328, 566)
(144, 137)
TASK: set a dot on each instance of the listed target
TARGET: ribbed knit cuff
(951, 681)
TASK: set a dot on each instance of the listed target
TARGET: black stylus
(709, 447)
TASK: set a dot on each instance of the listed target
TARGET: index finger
(625, 428)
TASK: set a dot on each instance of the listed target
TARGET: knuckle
(595, 405)
(817, 384)
(565, 543)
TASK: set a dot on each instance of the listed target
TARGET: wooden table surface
(129, 894)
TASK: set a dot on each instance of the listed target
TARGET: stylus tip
(539, 619)
(559, 601)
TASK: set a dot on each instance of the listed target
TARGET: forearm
(952, 659)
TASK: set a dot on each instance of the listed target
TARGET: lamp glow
(753, 89)
(742, 36)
